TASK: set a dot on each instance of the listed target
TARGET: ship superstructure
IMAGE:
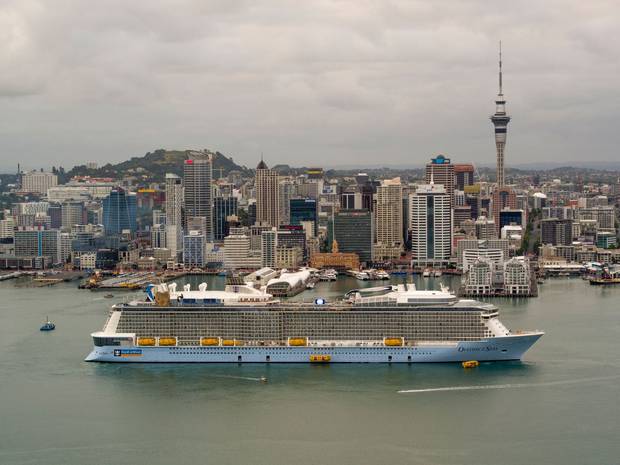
(243, 324)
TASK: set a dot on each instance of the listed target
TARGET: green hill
(153, 166)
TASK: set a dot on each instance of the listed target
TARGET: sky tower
(500, 120)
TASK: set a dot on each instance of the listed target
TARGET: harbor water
(560, 405)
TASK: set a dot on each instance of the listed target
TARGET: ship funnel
(172, 287)
(187, 287)
(202, 287)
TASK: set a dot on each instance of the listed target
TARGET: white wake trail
(507, 386)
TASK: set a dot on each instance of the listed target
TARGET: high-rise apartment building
(267, 196)
(198, 196)
(389, 216)
(440, 171)
(431, 225)
(174, 214)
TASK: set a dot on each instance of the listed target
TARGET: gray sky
(315, 83)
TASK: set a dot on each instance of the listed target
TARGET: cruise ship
(389, 324)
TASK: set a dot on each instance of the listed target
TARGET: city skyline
(356, 83)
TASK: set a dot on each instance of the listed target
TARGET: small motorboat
(470, 364)
(48, 326)
(109, 296)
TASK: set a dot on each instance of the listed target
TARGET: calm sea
(561, 405)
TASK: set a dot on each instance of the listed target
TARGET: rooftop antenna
(500, 68)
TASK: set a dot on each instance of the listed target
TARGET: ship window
(268, 358)
(239, 358)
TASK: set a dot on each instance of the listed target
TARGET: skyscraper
(441, 171)
(353, 232)
(224, 207)
(304, 210)
(119, 211)
(500, 120)
(197, 176)
(267, 199)
(389, 216)
(431, 225)
(464, 175)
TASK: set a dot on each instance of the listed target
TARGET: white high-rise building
(389, 217)
(430, 219)
(38, 181)
(267, 198)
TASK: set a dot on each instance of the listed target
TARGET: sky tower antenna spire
(500, 68)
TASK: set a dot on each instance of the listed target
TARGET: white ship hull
(510, 347)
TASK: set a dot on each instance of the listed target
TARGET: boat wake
(508, 386)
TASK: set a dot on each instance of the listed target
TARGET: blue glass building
(304, 210)
(119, 212)
(223, 207)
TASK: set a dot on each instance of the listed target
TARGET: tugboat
(48, 326)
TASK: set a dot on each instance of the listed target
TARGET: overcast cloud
(315, 82)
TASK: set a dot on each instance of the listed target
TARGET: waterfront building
(517, 277)
(500, 122)
(304, 210)
(267, 198)
(38, 182)
(33, 242)
(194, 250)
(119, 212)
(494, 256)
(335, 259)
(224, 209)
(430, 225)
(353, 231)
(198, 200)
(441, 171)
(478, 280)
(389, 219)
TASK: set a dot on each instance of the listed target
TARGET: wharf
(131, 281)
